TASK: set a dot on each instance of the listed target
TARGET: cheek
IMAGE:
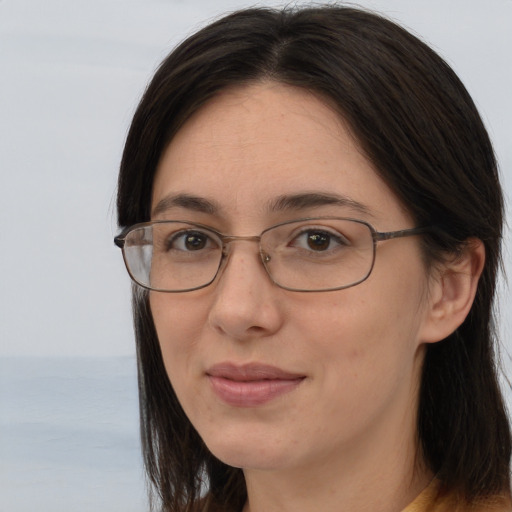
(179, 323)
(370, 330)
(368, 356)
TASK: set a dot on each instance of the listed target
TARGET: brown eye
(318, 241)
(189, 241)
(195, 241)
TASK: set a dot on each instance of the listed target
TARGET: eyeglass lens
(309, 255)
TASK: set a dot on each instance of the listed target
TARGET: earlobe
(453, 291)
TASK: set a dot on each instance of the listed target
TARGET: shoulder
(432, 500)
(494, 504)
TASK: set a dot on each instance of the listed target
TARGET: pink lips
(252, 384)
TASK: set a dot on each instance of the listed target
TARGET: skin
(346, 436)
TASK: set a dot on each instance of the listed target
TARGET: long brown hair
(417, 124)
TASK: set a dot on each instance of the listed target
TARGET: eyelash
(181, 237)
(336, 237)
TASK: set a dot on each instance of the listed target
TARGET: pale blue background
(71, 73)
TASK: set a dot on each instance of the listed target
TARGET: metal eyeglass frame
(377, 236)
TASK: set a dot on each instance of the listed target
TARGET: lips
(251, 385)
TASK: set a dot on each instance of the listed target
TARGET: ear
(452, 291)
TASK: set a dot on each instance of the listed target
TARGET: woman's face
(271, 378)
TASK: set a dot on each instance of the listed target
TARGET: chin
(249, 451)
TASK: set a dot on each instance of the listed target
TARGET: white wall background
(71, 73)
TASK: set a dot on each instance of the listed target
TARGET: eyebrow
(303, 201)
(188, 201)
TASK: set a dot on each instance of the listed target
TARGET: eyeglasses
(306, 255)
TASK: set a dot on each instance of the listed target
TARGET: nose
(246, 302)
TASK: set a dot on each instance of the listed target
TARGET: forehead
(251, 145)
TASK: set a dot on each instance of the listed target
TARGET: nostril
(256, 330)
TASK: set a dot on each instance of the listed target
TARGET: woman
(312, 214)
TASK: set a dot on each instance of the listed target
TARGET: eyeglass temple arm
(119, 241)
(389, 235)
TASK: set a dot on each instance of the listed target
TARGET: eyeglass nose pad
(265, 257)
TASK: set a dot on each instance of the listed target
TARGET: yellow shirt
(428, 501)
